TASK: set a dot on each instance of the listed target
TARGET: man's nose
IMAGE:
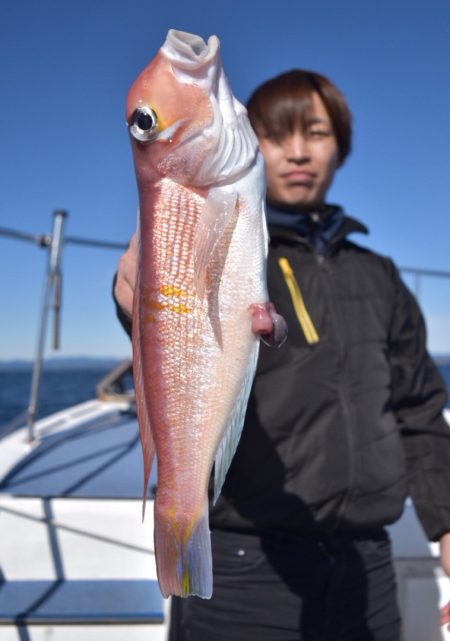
(296, 146)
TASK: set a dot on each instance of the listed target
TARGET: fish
(201, 278)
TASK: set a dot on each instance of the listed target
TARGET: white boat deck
(70, 507)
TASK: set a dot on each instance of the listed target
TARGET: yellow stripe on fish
(168, 292)
(171, 290)
(178, 309)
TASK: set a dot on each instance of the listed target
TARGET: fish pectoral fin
(232, 434)
(216, 214)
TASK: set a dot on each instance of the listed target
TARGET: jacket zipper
(303, 316)
(345, 404)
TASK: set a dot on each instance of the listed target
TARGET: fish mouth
(188, 51)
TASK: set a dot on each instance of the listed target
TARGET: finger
(126, 270)
(124, 294)
(270, 326)
(445, 614)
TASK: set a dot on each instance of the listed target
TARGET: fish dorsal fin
(216, 213)
(232, 434)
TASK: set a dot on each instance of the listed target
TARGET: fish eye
(143, 124)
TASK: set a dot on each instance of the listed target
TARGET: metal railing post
(51, 288)
(417, 286)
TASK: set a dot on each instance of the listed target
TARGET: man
(344, 421)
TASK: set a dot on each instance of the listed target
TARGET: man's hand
(444, 543)
(126, 278)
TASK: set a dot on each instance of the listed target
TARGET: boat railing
(113, 387)
(418, 274)
(51, 299)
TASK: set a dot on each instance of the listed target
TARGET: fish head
(184, 122)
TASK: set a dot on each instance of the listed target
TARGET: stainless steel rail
(419, 273)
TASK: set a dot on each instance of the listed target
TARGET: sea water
(65, 387)
(58, 389)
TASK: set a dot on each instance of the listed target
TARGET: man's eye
(273, 138)
(319, 133)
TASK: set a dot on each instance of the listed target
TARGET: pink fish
(201, 277)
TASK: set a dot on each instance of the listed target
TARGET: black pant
(336, 588)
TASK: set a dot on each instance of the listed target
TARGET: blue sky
(66, 66)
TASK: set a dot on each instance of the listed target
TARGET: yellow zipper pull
(303, 317)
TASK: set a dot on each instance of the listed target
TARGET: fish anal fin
(217, 212)
(232, 434)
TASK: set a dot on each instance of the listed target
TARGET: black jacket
(345, 420)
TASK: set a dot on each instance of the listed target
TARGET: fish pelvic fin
(217, 213)
(147, 443)
(232, 434)
(183, 553)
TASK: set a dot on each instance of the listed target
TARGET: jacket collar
(331, 223)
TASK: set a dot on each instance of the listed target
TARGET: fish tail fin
(183, 554)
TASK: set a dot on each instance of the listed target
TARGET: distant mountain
(89, 362)
(64, 363)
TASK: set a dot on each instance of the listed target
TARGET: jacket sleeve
(124, 319)
(419, 396)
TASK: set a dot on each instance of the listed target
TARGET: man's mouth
(299, 177)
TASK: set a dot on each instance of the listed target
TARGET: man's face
(300, 167)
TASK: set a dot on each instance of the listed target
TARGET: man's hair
(279, 106)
